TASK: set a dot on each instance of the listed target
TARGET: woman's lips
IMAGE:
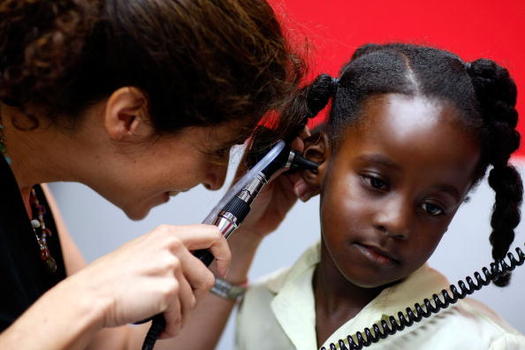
(376, 255)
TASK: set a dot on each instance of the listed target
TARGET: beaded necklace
(37, 221)
(41, 231)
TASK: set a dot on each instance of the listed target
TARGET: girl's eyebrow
(379, 159)
(453, 191)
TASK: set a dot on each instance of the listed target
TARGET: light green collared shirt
(278, 313)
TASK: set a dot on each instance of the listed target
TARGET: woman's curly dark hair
(482, 91)
(199, 62)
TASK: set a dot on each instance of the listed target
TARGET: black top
(23, 275)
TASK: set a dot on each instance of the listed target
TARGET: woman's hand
(276, 198)
(155, 273)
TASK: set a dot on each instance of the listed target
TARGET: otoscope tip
(303, 163)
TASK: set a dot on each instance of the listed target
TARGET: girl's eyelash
(433, 209)
(375, 182)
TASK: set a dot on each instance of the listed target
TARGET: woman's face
(150, 173)
(392, 187)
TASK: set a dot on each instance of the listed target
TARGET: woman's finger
(197, 236)
(199, 277)
(194, 237)
(186, 295)
(298, 144)
(221, 252)
(173, 314)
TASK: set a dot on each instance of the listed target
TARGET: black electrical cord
(157, 326)
(158, 322)
(441, 300)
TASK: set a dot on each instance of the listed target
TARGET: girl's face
(392, 187)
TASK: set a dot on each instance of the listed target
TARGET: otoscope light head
(299, 162)
(288, 159)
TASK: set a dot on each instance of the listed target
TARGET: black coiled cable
(441, 301)
(158, 322)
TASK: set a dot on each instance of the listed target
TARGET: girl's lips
(376, 255)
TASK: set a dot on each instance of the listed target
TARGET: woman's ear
(126, 116)
(317, 149)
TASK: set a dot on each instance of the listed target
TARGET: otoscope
(233, 208)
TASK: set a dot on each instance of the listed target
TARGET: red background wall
(469, 28)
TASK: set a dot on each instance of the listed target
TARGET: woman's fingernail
(299, 188)
(223, 270)
(306, 197)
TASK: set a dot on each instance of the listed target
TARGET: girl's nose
(394, 219)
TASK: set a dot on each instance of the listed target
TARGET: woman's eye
(432, 209)
(223, 152)
(376, 182)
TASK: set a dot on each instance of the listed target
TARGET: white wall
(98, 227)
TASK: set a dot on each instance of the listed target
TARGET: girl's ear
(126, 116)
(317, 149)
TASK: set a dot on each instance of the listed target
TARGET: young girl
(412, 129)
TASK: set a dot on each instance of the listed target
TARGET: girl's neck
(336, 299)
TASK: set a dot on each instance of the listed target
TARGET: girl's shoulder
(301, 269)
(270, 283)
(475, 312)
(469, 324)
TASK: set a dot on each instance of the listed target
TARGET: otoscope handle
(159, 322)
(204, 255)
(227, 221)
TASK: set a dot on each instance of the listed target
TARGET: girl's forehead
(412, 131)
(410, 118)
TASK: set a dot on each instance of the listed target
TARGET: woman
(140, 101)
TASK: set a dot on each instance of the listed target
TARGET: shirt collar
(294, 305)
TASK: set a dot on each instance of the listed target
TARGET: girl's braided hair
(482, 91)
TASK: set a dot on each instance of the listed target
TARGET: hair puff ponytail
(319, 93)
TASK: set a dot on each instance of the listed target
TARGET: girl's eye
(375, 182)
(432, 209)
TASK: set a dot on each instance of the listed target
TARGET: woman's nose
(215, 176)
(395, 218)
